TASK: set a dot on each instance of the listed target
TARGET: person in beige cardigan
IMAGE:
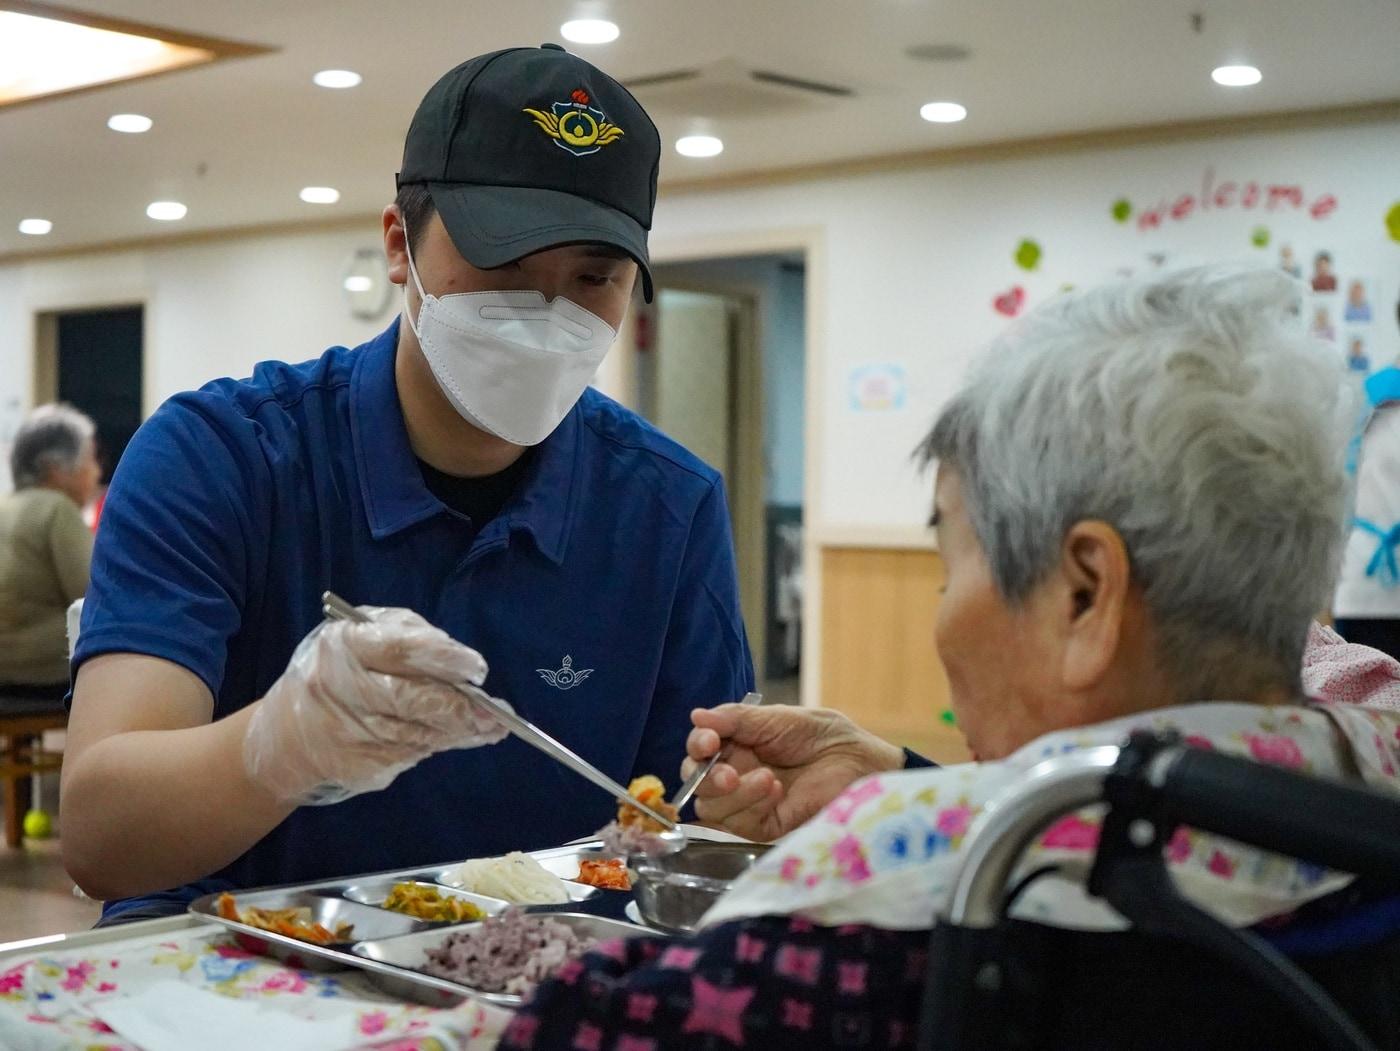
(45, 548)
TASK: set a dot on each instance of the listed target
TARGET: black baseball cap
(531, 148)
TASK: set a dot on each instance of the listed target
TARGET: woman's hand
(785, 764)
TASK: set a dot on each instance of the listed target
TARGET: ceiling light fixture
(166, 211)
(320, 194)
(589, 31)
(129, 123)
(699, 146)
(35, 227)
(337, 78)
(943, 112)
(1236, 76)
(359, 283)
(54, 53)
(938, 52)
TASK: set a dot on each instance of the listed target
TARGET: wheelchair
(1177, 978)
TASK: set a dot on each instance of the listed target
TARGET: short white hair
(52, 436)
(1188, 411)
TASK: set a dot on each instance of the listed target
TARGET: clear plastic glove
(361, 703)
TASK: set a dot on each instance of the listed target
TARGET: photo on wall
(1321, 326)
(1358, 308)
(1357, 358)
(1324, 276)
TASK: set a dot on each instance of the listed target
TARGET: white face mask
(510, 363)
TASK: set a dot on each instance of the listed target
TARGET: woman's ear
(1097, 574)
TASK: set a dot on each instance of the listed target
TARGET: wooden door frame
(810, 243)
(746, 495)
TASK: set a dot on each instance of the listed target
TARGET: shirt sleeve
(172, 558)
(70, 547)
(706, 659)
(769, 982)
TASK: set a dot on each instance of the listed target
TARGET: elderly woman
(45, 548)
(1140, 502)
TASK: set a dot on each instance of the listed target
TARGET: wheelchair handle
(1337, 825)
(1013, 819)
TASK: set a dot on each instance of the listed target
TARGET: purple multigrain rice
(626, 840)
(509, 953)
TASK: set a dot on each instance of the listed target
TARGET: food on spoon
(633, 832)
(517, 878)
(294, 923)
(429, 903)
(607, 874)
(509, 953)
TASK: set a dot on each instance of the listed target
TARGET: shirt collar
(391, 483)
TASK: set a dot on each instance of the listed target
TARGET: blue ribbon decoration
(1383, 562)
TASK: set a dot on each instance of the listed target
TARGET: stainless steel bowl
(674, 891)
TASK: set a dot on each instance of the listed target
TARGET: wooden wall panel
(879, 664)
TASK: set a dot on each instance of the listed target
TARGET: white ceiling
(236, 140)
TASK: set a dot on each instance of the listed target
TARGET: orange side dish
(293, 923)
(607, 874)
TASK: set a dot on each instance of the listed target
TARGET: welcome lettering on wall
(1252, 195)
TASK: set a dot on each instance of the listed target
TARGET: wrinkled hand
(785, 764)
(361, 703)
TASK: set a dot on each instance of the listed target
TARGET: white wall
(914, 259)
(213, 308)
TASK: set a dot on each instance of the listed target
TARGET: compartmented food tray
(390, 945)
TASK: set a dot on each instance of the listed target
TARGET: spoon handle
(699, 774)
(337, 608)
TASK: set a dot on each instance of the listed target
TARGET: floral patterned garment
(886, 851)
(824, 943)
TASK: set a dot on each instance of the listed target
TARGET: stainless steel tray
(328, 909)
(357, 900)
(408, 952)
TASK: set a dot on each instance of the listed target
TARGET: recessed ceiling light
(35, 227)
(359, 283)
(943, 112)
(131, 123)
(320, 194)
(336, 78)
(699, 146)
(166, 211)
(589, 31)
(1236, 76)
(938, 52)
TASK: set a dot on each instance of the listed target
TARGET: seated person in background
(1140, 502)
(45, 548)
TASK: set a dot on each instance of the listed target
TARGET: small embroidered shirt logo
(567, 677)
(576, 125)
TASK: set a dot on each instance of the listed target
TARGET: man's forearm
(151, 809)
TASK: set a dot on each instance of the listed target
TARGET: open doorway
(720, 366)
(92, 359)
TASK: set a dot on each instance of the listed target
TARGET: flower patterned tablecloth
(47, 999)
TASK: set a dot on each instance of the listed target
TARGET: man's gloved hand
(361, 703)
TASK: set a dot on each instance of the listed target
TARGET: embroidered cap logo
(567, 677)
(577, 126)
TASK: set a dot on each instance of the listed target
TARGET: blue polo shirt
(603, 596)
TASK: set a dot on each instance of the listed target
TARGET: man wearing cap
(456, 466)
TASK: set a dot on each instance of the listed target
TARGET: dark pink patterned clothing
(772, 982)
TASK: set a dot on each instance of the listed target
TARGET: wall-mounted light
(365, 284)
